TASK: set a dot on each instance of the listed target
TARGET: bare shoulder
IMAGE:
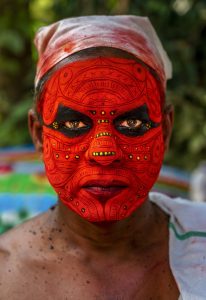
(18, 248)
(20, 238)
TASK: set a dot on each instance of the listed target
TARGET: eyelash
(56, 125)
(143, 127)
(74, 121)
(60, 125)
(134, 123)
(144, 123)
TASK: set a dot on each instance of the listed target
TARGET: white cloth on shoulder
(187, 244)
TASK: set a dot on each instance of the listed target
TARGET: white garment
(187, 244)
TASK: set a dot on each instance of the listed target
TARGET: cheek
(149, 159)
(56, 168)
(61, 157)
(144, 158)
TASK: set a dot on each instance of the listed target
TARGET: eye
(135, 122)
(130, 123)
(133, 126)
(74, 124)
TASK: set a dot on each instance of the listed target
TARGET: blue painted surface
(28, 167)
(32, 202)
(17, 149)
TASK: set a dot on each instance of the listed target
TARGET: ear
(167, 124)
(36, 130)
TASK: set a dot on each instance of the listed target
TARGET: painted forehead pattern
(110, 83)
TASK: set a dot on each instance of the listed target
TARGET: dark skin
(59, 255)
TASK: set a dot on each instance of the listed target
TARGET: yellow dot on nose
(130, 156)
(138, 158)
(103, 113)
(57, 155)
(77, 156)
(67, 156)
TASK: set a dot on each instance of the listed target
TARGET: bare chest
(70, 280)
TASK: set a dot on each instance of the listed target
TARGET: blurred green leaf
(12, 41)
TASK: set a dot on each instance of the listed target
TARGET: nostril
(117, 161)
(91, 160)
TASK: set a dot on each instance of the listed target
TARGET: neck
(140, 229)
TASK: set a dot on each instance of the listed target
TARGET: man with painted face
(102, 126)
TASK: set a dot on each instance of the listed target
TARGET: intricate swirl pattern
(102, 89)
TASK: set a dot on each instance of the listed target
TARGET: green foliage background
(181, 25)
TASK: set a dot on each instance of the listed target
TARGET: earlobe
(167, 124)
(35, 129)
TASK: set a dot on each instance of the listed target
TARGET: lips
(104, 190)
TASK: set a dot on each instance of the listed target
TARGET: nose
(103, 148)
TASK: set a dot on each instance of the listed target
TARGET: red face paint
(103, 142)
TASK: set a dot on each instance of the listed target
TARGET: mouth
(104, 190)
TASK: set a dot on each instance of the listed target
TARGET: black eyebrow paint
(139, 113)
